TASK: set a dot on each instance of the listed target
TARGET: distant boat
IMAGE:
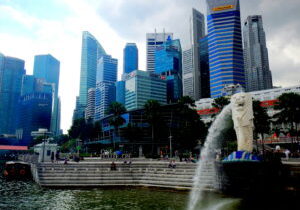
(17, 170)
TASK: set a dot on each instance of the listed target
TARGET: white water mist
(207, 155)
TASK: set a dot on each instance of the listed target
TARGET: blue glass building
(48, 68)
(91, 52)
(225, 45)
(168, 64)
(105, 92)
(204, 66)
(120, 92)
(131, 58)
(11, 74)
(34, 112)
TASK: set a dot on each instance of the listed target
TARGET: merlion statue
(242, 115)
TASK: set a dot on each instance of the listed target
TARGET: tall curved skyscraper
(225, 45)
(91, 52)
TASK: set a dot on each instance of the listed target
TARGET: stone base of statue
(244, 174)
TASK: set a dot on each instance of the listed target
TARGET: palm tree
(288, 106)
(116, 109)
(261, 121)
(152, 112)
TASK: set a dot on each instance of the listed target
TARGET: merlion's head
(241, 101)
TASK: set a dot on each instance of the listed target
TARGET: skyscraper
(257, 70)
(168, 58)
(11, 74)
(187, 73)
(225, 45)
(204, 67)
(141, 86)
(35, 110)
(91, 52)
(198, 31)
(47, 67)
(131, 58)
(120, 92)
(154, 40)
(90, 108)
(105, 92)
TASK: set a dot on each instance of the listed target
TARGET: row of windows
(225, 53)
(234, 66)
(226, 74)
(223, 49)
(225, 57)
(233, 19)
(227, 61)
(223, 41)
(223, 15)
(231, 27)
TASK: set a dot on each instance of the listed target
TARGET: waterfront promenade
(95, 172)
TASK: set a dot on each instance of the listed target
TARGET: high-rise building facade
(90, 108)
(204, 67)
(198, 32)
(11, 74)
(141, 86)
(257, 70)
(105, 92)
(120, 92)
(154, 40)
(226, 61)
(187, 73)
(131, 58)
(34, 112)
(47, 67)
(168, 64)
(91, 52)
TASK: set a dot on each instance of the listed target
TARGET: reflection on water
(27, 195)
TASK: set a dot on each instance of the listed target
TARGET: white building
(154, 40)
(267, 98)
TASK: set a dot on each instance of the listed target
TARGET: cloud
(116, 22)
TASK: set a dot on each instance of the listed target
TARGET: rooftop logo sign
(226, 7)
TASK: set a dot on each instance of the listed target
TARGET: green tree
(116, 109)
(192, 128)
(288, 106)
(261, 121)
(152, 112)
(77, 128)
(221, 102)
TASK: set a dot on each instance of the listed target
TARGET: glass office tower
(131, 58)
(168, 64)
(257, 70)
(11, 74)
(105, 92)
(225, 45)
(47, 67)
(91, 52)
(204, 66)
(141, 86)
(34, 112)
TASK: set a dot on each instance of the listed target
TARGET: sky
(33, 27)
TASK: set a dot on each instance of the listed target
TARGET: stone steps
(149, 174)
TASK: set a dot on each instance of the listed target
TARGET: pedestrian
(113, 166)
(52, 157)
(57, 156)
(287, 153)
